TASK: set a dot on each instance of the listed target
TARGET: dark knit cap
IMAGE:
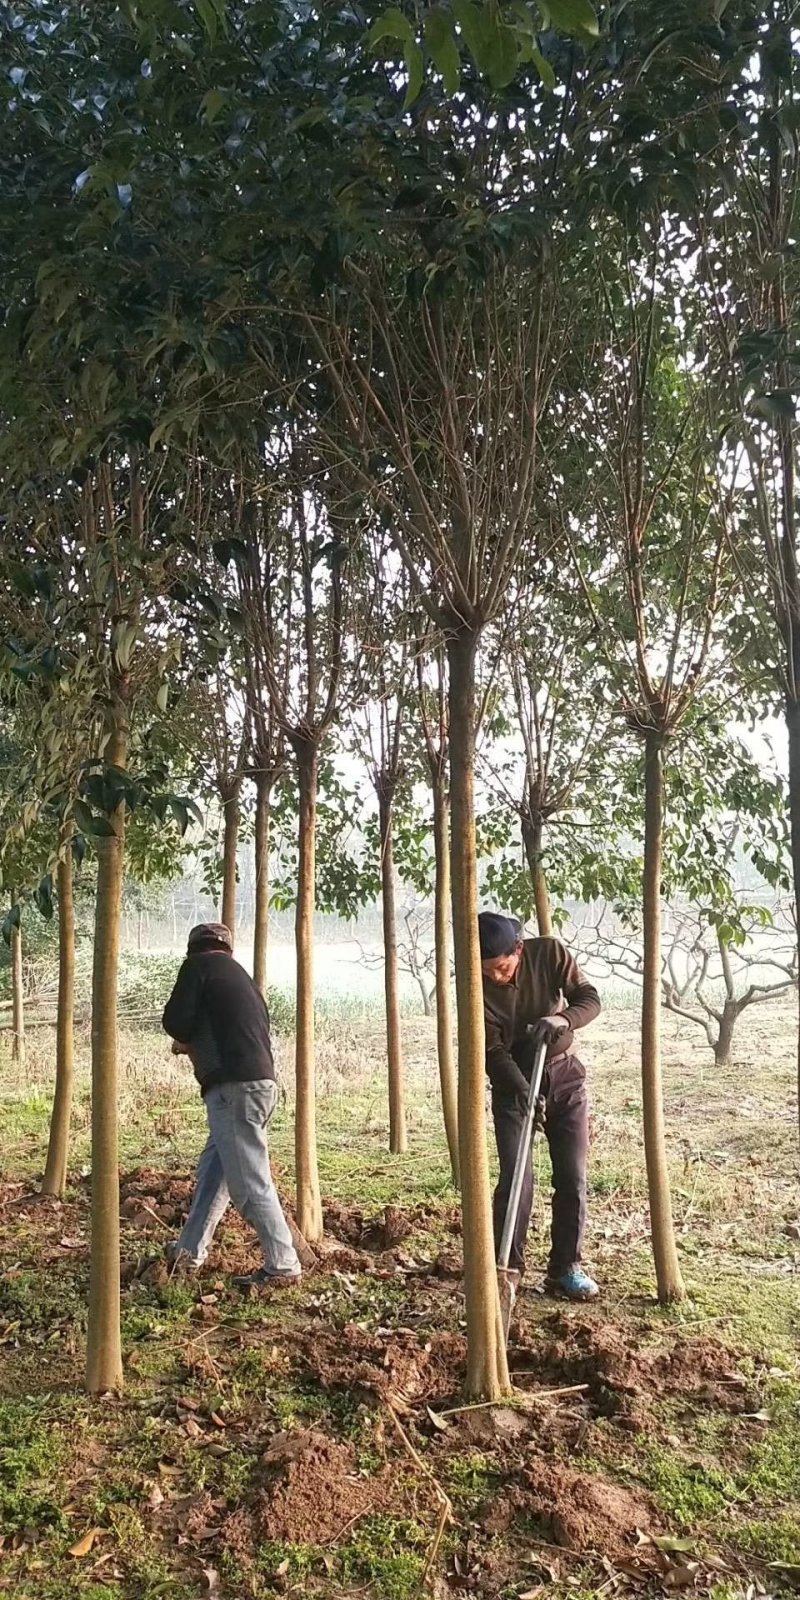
(210, 936)
(499, 936)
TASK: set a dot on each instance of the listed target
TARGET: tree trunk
(55, 1172)
(668, 1272)
(724, 1040)
(487, 1367)
(17, 999)
(532, 840)
(793, 732)
(103, 1345)
(309, 1200)
(230, 844)
(261, 911)
(398, 1137)
(444, 1000)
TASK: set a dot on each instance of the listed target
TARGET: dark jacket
(547, 977)
(216, 1010)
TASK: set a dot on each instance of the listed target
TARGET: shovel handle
(523, 1151)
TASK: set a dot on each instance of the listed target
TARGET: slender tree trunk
(230, 845)
(793, 732)
(55, 1172)
(309, 1200)
(104, 1346)
(261, 911)
(444, 1000)
(17, 999)
(398, 1136)
(723, 1043)
(668, 1272)
(532, 840)
(487, 1367)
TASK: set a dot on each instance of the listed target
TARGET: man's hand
(546, 1031)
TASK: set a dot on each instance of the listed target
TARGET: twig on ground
(445, 1505)
(521, 1399)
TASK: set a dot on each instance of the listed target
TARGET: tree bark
(532, 840)
(724, 1041)
(104, 1346)
(309, 1200)
(444, 1000)
(793, 733)
(17, 999)
(230, 844)
(398, 1136)
(261, 912)
(668, 1272)
(55, 1172)
(487, 1366)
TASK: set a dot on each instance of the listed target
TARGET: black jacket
(216, 1010)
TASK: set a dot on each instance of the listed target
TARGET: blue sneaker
(573, 1285)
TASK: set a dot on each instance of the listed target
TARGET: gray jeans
(235, 1166)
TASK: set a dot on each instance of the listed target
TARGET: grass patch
(30, 1455)
(388, 1553)
(687, 1493)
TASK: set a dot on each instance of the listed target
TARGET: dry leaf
(84, 1545)
(281, 1571)
(218, 1421)
(438, 1422)
(212, 1580)
(155, 1497)
(192, 1428)
(668, 1543)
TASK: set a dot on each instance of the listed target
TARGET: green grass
(30, 1456)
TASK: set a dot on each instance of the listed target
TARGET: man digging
(526, 982)
(217, 1017)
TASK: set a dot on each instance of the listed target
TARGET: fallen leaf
(757, 1416)
(155, 1497)
(84, 1545)
(218, 1421)
(193, 1428)
(212, 1579)
(441, 1424)
(281, 1571)
(668, 1543)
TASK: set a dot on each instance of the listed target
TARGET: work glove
(546, 1031)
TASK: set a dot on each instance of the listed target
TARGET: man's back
(216, 1010)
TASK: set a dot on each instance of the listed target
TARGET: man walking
(535, 993)
(217, 1017)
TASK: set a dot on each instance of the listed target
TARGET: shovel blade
(507, 1284)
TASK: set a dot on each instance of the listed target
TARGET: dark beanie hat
(499, 936)
(210, 936)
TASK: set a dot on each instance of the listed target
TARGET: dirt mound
(621, 1375)
(349, 1224)
(582, 1512)
(394, 1367)
(148, 1197)
(317, 1492)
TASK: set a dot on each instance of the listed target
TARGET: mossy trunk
(668, 1272)
(487, 1366)
(104, 1345)
(55, 1172)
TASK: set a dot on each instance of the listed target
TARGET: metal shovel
(508, 1277)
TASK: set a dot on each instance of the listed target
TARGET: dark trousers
(567, 1131)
